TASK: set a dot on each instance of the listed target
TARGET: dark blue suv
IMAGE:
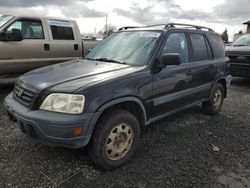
(134, 77)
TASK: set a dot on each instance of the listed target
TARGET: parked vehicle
(27, 43)
(132, 78)
(239, 54)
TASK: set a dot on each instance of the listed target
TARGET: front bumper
(51, 128)
(240, 69)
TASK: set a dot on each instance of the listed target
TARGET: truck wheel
(114, 140)
(214, 104)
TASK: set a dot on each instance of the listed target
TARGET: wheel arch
(131, 104)
(223, 82)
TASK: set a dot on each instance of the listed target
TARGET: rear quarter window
(217, 45)
(61, 30)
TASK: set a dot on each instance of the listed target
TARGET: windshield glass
(133, 48)
(4, 19)
(242, 41)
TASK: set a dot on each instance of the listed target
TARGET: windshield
(4, 19)
(133, 48)
(242, 41)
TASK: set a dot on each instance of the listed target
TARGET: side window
(200, 49)
(62, 30)
(217, 44)
(177, 43)
(30, 29)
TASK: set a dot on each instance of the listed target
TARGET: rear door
(28, 54)
(172, 86)
(205, 65)
(65, 44)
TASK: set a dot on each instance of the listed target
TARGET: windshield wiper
(89, 58)
(109, 60)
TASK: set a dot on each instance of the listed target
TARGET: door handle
(76, 47)
(46, 47)
(189, 72)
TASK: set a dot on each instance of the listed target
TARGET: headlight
(64, 103)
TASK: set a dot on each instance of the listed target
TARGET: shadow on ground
(241, 82)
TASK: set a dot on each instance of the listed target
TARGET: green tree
(224, 36)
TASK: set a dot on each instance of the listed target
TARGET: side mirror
(170, 59)
(16, 35)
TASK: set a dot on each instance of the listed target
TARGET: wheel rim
(119, 141)
(217, 99)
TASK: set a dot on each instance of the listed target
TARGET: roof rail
(167, 26)
(133, 27)
(127, 27)
(188, 25)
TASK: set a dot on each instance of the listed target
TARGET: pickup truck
(27, 43)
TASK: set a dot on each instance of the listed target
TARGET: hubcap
(119, 141)
(217, 99)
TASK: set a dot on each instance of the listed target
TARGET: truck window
(199, 45)
(62, 30)
(30, 29)
(177, 43)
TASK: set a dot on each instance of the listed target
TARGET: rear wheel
(214, 104)
(115, 139)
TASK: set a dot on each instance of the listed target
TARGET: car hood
(236, 49)
(72, 75)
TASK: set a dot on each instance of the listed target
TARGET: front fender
(122, 100)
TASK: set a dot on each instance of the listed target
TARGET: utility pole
(106, 26)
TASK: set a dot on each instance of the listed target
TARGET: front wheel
(214, 104)
(115, 139)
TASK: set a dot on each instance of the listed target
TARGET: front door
(172, 86)
(28, 54)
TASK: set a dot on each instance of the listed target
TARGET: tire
(214, 104)
(115, 139)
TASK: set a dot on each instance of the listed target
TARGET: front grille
(239, 57)
(23, 95)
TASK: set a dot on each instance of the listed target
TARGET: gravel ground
(188, 149)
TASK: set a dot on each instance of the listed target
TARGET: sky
(90, 14)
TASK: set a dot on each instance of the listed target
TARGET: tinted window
(177, 43)
(199, 47)
(62, 30)
(217, 45)
(30, 29)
